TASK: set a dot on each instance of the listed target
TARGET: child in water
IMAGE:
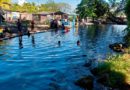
(59, 43)
(78, 43)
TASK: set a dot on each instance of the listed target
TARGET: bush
(127, 11)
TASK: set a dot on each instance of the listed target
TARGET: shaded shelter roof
(59, 13)
(44, 13)
(50, 13)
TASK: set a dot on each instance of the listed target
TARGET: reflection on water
(95, 39)
(33, 40)
(56, 61)
(59, 43)
(20, 42)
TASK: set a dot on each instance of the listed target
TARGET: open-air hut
(42, 17)
(26, 16)
(60, 15)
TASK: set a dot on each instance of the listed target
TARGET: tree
(92, 8)
(84, 9)
(53, 7)
(30, 7)
(116, 6)
(64, 7)
(50, 6)
(27, 7)
(5, 4)
(15, 7)
(127, 11)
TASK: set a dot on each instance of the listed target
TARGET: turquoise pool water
(42, 64)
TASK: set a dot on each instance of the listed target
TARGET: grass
(117, 68)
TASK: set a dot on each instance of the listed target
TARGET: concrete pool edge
(16, 35)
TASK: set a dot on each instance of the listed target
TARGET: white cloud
(21, 2)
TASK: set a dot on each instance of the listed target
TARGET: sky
(73, 3)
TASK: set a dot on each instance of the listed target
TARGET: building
(4, 5)
(11, 15)
(45, 17)
(60, 15)
(26, 16)
(41, 17)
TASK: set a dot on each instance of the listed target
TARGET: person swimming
(78, 43)
(59, 43)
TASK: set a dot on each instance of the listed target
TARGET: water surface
(42, 64)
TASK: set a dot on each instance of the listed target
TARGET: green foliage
(92, 8)
(27, 7)
(127, 11)
(127, 37)
(71, 18)
(50, 6)
(5, 4)
(117, 68)
(99, 8)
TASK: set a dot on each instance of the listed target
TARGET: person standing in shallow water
(28, 33)
(59, 43)
(19, 27)
(32, 25)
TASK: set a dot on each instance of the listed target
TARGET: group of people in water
(54, 24)
(7, 31)
(20, 32)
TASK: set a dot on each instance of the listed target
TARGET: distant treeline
(49, 6)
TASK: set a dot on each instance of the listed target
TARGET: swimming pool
(43, 64)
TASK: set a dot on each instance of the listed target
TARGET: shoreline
(41, 29)
(16, 35)
(92, 23)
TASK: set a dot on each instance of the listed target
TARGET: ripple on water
(49, 66)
